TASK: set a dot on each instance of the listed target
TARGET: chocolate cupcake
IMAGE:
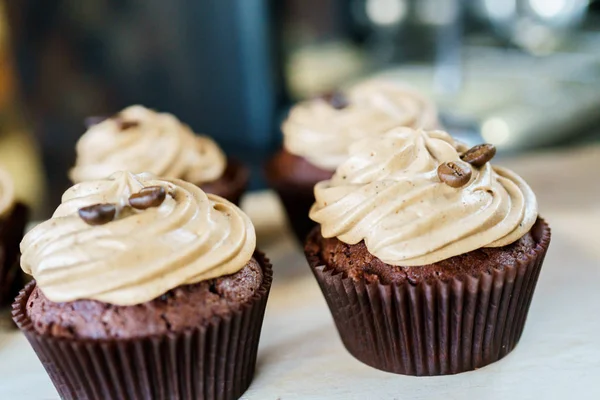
(318, 133)
(13, 217)
(141, 140)
(427, 255)
(144, 288)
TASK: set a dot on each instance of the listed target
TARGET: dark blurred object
(12, 228)
(209, 63)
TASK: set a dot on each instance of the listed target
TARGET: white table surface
(301, 356)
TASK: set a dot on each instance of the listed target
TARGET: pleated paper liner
(294, 184)
(297, 202)
(439, 328)
(212, 362)
(12, 227)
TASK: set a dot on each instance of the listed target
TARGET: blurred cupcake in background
(138, 139)
(144, 288)
(318, 133)
(13, 217)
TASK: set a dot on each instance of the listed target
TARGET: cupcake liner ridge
(434, 328)
(215, 361)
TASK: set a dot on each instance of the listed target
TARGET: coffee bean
(151, 196)
(94, 120)
(336, 100)
(98, 214)
(478, 155)
(454, 173)
(124, 124)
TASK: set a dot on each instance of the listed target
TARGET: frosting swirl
(142, 254)
(323, 134)
(388, 194)
(141, 140)
(7, 192)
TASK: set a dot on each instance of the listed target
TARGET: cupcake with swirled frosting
(140, 140)
(427, 254)
(318, 133)
(149, 286)
(13, 217)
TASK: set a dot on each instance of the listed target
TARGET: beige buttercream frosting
(141, 254)
(388, 194)
(323, 134)
(7, 192)
(142, 140)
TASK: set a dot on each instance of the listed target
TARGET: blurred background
(522, 74)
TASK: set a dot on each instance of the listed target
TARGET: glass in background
(521, 74)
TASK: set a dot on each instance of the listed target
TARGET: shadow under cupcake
(427, 255)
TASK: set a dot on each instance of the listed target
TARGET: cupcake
(144, 288)
(13, 217)
(318, 133)
(139, 140)
(427, 255)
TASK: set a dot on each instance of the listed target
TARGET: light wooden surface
(301, 356)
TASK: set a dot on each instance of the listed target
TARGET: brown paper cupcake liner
(293, 178)
(12, 228)
(210, 362)
(297, 202)
(435, 328)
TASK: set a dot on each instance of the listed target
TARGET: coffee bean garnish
(98, 214)
(151, 196)
(94, 120)
(478, 155)
(336, 100)
(454, 173)
(124, 124)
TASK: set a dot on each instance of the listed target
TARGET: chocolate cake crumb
(356, 262)
(181, 308)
